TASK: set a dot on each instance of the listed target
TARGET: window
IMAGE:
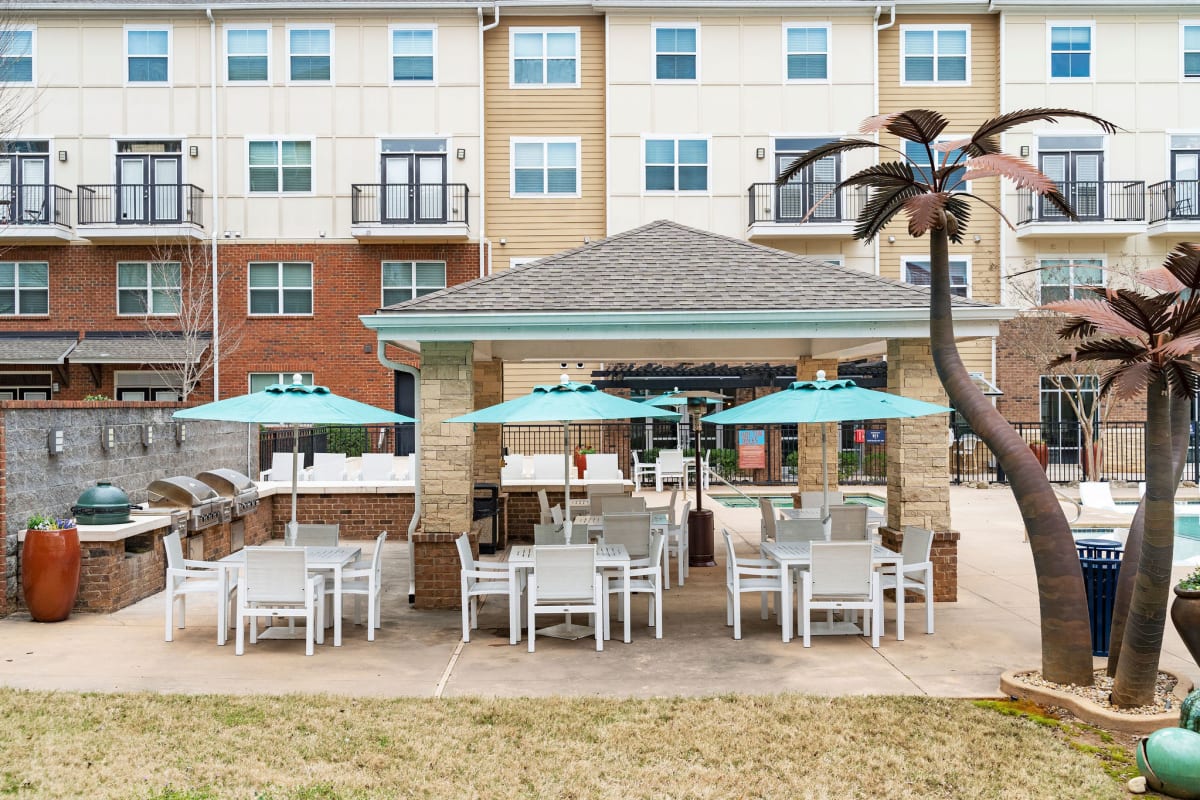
(148, 53)
(16, 56)
(247, 54)
(412, 54)
(676, 50)
(1069, 278)
(807, 53)
(919, 156)
(676, 165)
(1070, 51)
(24, 287)
(261, 380)
(935, 54)
(148, 288)
(280, 166)
(310, 54)
(404, 280)
(281, 288)
(544, 167)
(916, 272)
(547, 57)
(1191, 50)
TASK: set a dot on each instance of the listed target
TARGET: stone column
(918, 468)
(489, 390)
(447, 467)
(808, 436)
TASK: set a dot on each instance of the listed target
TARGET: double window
(676, 52)
(310, 54)
(247, 55)
(16, 56)
(935, 54)
(806, 53)
(919, 156)
(1069, 278)
(412, 54)
(147, 54)
(281, 288)
(545, 167)
(544, 57)
(261, 380)
(281, 165)
(404, 280)
(148, 288)
(1190, 34)
(917, 272)
(676, 165)
(24, 287)
(1070, 50)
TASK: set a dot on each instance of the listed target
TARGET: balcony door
(811, 188)
(1080, 173)
(24, 189)
(149, 189)
(1185, 177)
(414, 188)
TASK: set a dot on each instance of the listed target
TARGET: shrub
(348, 439)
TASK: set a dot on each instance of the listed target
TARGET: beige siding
(521, 376)
(534, 227)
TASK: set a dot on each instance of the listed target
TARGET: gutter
(875, 104)
(416, 517)
(484, 261)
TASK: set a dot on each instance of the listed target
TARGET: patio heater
(700, 519)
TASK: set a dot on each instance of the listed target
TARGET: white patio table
(608, 556)
(332, 559)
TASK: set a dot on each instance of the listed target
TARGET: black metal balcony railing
(788, 204)
(1093, 201)
(408, 203)
(141, 204)
(1175, 200)
(35, 204)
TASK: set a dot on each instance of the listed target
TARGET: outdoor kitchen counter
(116, 533)
(269, 488)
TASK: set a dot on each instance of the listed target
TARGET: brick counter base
(361, 516)
(437, 568)
(524, 510)
(944, 556)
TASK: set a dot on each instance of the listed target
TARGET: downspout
(416, 517)
(1001, 233)
(216, 214)
(875, 94)
(484, 260)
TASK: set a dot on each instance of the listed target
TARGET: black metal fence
(141, 204)
(808, 202)
(1093, 201)
(408, 203)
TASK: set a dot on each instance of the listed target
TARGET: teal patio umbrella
(292, 404)
(823, 401)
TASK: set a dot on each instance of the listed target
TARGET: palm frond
(1183, 380)
(1185, 316)
(1023, 174)
(1058, 201)
(1099, 313)
(1184, 264)
(1160, 278)
(1124, 351)
(961, 209)
(1151, 315)
(916, 125)
(1178, 347)
(885, 174)
(925, 212)
(1130, 380)
(881, 207)
(1077, 328)
(819, 152)
(985, 140)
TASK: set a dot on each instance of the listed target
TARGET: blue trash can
(1101, 562)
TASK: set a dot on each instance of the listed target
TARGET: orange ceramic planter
(50, 573)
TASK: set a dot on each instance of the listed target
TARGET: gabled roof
(665, 266)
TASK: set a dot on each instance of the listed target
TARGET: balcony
(141, 212)
(780, 211)
(1105, 208)
(1175, 208)
(391, 212)
(35, 214)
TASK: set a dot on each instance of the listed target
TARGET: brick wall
(943, 554)
(361, 517)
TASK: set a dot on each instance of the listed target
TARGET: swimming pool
(785, 500)
(1187, 536)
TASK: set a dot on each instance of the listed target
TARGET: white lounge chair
(1098, 495)
(602, 467)
(276, 583)
(378, 467)
(327, 467)
(513, 469)
(188, 576)
(549, 467)
(405, 467)
(281, 468)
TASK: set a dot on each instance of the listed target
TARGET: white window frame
(905, 29)
(1051, 24)
(148, 288)
(828, 51)
(906, 260)
(288, 54)
(654, 53)
(155, 383)
(1184, 24)
(1072, 260)
(392, 56)
(279, 288)
(834, 260)
(413, 286)
(16, 289)
(544, 140)
(306, 378)
(677, 137)
(225, 44)
(170, 54)
(32, 31)
(279, 140)
(543, 30)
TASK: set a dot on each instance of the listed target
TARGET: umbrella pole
(567, 486)
(824, 475)
(290, 534)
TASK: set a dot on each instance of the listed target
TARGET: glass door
(431, 188)
(131, 190)
(1081, 176)
(165, 189)
(149, 189)
(397, 185)
(1185, 177)
(810, 190)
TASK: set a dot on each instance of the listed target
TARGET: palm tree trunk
(1141, 646)
(1066, 635)
(1181, 418)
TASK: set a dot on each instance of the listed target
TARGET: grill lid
(181, 491)
(226, 481)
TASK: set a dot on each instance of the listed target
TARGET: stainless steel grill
(204, 506)
(235, 487)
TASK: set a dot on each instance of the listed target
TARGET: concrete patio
(992, 628)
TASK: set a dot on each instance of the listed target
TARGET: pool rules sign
(752, 449)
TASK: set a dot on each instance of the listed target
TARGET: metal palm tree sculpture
(1149, 340)
(935, 200)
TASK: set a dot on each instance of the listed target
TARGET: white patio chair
(544, 507)
(621, 504)
(841, 577)
(669, 467)
(597, 493)
(405, 467)
(377, 467)
(744, 575)
(769, 519)
(481, 579)
(690, 464)
(916, 574)
(799, 530)
(327, 467)
(642, 580)
(549, 467)
(364, 580)
(848, 523)
(631, 530)
(677, 540)
(281, 467)
(556, 514)
(1098, 495)
(314, 535)
(815, 499)
(640, 469)
(276, 583)
(513, 469)
(564, 581)
(188, 576)
(602, 467)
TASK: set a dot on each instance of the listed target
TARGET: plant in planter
(1041, 451)
(1185, 612)
(50, 564)
(581, 454)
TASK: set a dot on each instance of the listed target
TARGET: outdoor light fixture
(460, 153)
(760, 152)
(978, 238)
(1024, 149)
(147, 435)
(180, 432)
(108, 438)
(62, 155)
(891, 240)
(503, 241)
(193, 151)
(55, 441)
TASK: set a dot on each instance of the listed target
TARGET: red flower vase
(50, 563)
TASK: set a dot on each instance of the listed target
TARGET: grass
(181, 747)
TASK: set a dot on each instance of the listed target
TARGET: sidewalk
(992, 628)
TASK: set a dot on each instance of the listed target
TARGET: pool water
(785, 500)
(1187, 538)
